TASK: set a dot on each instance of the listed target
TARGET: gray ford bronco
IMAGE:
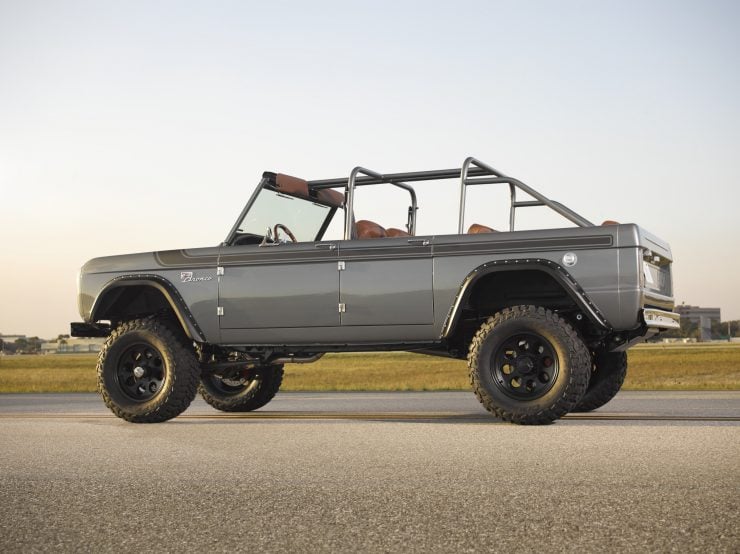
(544, 317)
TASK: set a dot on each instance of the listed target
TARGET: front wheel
(147, 371)
(242, 389)
(528, 366)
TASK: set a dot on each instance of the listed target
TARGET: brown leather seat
(369, 230)
(476, 228)
(610, 222)
(393, 232)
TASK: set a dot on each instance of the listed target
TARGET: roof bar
(375, 178)
(319, 184)
(465, 172)
(472, 172)
(514, 184)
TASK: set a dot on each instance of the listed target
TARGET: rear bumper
(652, 322)
(661, 320)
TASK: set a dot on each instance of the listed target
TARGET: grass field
(651, 367)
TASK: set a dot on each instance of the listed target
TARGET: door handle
(327, 245)
(419, 242)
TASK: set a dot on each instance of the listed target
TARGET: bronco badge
(188, 277)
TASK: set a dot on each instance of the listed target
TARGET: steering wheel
(291, 236)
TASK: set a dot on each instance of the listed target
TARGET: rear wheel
(610, 370)
(147, 371)
(528, 366)
(242, 389)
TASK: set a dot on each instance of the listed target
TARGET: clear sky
(137, 126)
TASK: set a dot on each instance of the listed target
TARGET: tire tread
(263, 393)
(578, 380)
(606, 382)
(185, 375)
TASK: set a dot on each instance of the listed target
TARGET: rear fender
(554, 270)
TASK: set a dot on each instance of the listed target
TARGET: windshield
(303, 217)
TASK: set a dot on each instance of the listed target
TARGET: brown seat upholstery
(369, 230)
(610, 222)
(291, 185)
(475, 228)
(393, 232)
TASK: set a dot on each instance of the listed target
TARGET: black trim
(556, 271)
(170, 292)
(277, 254)
(560, 243)
(312, 348)
(405, 251)
(327, 221)
(79, 329)
(355, 250)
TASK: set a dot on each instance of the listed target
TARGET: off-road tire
(261, 387)
(173, 389)
(568, 374)
(607, 377)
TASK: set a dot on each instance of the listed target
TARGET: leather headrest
(291, 185)
(393, 232)
(369, 230)
(330, 196)
(475, 228)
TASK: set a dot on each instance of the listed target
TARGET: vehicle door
(278, 286)
(386, 281)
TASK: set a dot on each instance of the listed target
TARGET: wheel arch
(138, 295)
(505, 271)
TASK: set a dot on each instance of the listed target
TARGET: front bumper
(87, 330)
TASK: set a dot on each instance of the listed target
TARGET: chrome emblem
(189, 277)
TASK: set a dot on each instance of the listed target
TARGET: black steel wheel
(527, 365)
(607, 377)
(241, 389)
(140, 372)
(147, 371)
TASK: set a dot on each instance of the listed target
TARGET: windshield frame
(266, 184)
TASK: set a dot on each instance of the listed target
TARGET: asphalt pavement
(372, 472)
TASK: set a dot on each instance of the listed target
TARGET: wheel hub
(233, 381)
(524, 366)
(140, 372)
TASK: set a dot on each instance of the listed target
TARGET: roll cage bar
(472, 172)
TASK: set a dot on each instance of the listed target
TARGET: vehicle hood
(144, 261)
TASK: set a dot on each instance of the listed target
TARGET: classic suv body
(549, 304)
(394, 291)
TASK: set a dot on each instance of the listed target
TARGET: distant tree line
(30, 345)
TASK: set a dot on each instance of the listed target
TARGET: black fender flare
(168, 290)
(554, 270)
